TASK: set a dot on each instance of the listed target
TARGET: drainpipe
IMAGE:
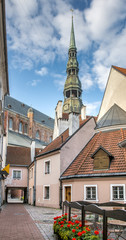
(27, 185)
(34, 190)
(60, 202)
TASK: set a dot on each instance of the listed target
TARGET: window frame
(11, 119)
(45, 162)
(85, 193)
(37, 132)
(20, 124)
(26, 128)
(16, 170)
(111, 192)
(44, 187)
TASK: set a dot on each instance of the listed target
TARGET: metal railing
(84, 206)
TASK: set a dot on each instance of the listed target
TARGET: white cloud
(59, 80)
(34, 82)
(43, 71)
(92, 108)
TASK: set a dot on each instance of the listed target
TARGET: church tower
(72, 88)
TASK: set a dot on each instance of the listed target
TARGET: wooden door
(68, 194)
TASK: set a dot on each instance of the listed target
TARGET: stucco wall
(15, 182)
(114, 93)
(103, 187)
(51, 180)
(71, 149)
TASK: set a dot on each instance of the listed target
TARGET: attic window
(22, 104)
(102, 159)
(43, 121)
(9, 106)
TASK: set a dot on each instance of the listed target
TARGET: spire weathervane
(72, 11)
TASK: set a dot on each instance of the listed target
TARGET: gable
(114, 92)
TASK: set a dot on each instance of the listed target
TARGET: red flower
(88, 229)
(75, 216)
(73, 238)
(77, 227)
(76, 221)
(55, 218)
(79, 234)
(73, 230)
(62, 222)
(66, 214)
(80, 225)
(68, 225)
(83, 232)
(61, 226)
(55, 222)
(58, 222)
(96, 232)
(70, 222)
(62, 215)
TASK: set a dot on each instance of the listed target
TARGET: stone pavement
(43, 217)
(16, 224)
(19, 221)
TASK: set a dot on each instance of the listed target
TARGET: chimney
(73, 122)
(32, 150)
(58, 109)
(83, 112)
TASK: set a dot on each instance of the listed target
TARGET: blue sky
(38, 35)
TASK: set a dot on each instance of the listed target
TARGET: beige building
(44, 185)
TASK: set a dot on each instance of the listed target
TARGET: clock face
(66, 107)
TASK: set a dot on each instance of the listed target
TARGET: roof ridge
(88, 152)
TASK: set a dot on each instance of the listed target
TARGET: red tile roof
(83, 164)
(57, 143)
(18, 155)
(122, 70)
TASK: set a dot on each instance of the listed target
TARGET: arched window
(20, 127)
(37, 134)
(50, 139)
(26, 128)
(11, 123)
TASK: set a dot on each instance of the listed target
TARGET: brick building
(27, 132)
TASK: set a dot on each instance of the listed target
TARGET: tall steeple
(72, 88)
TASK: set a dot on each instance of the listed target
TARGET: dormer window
(20, 127)
(102, 159)
(11, 123)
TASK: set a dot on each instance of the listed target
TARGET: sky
(38, 37)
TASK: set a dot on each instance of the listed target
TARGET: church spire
(72, 88)
(72, 37)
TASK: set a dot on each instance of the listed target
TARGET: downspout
(34, 190)
(28, 186)
(60, 202)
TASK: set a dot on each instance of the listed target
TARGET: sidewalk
(43, 217)
(16, 224)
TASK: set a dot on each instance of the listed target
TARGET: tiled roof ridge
(121, 70)
(98, 135)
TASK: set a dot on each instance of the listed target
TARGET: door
(68, 194)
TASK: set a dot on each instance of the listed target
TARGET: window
(46, 192)
(26, 128)
(16, 174)
(90, 192)
(47, 167)
(37, 134)
(20, 127)
(117, 192)
(11, 123)
(50, 139)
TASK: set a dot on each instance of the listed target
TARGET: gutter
(94, 175)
